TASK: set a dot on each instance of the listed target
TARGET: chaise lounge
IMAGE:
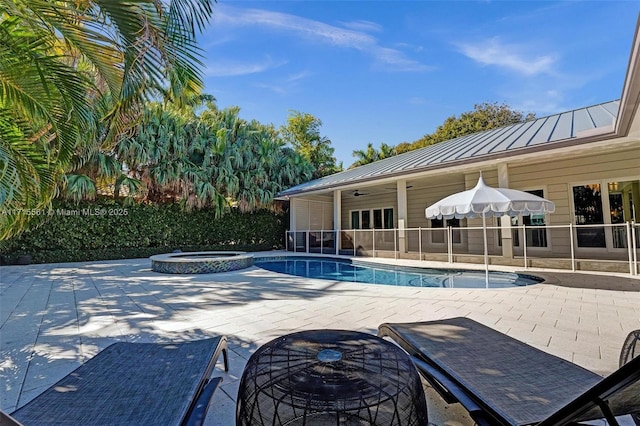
(133, 383)
(502, 381)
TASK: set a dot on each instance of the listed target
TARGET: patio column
(292, 215)
(505, 221)
(337, 217)
(401, 189)
(635, 196)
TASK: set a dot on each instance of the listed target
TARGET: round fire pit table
(330, 377)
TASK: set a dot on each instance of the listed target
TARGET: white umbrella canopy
(483, 200)
(486, 201)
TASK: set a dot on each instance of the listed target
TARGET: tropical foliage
(302, 132)
(213, 159)
(484, 116)
(73, 75)
(371, 154)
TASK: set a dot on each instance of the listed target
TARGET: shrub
(106, 230)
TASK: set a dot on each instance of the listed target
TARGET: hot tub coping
(201, 262)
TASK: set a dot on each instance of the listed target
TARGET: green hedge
(106, 230)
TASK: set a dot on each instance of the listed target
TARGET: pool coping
(180, 263)
(395, 267)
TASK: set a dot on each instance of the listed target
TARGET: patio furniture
(330, 377)
(502, 381)
(630, 350)
(133, 383)
(630, 347)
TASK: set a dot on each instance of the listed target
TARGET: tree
(302, 132)
(215, 159)
(73, 76)
(371, 155)
(484, 116)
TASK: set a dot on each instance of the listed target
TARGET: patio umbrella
(486, 201)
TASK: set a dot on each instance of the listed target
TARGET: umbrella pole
(486, 254)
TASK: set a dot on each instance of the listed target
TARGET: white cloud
(297, 77)
(361, 25)
(538, 98)
(321, 32)
(230, 68)
(510, 56)
(279, 89)
(286, 84)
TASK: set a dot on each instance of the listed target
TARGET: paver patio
(54, 317)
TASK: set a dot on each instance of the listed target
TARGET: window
(535, 237)
(377, 219)
(382, 219)
(438, 237)
(355, 220)
(623, 208)
(388, 219)
(587, 201)
(366, 219)
(605, 202)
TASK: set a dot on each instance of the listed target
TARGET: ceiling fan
(357, 193)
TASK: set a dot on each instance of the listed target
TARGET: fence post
(630, 247)
(307, 238)
(354, 243)
(286, 240)
(524, 244)
(450, 244)
(634, 242)
(373, 241)
(573, 254)
(420, 242)
(321, 241)
(395, 243)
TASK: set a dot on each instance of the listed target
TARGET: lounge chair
(133, 384)
(502, 381)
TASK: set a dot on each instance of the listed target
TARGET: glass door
(623, 206)
(587, 202)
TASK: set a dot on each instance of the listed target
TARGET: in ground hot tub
(201, 262)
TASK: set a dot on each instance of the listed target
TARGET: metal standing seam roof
(541, 131)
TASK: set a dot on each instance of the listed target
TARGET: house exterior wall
(554, 177)
(373, 200)
(557, 179)
(555, 173)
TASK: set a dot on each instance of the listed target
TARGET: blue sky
(392, 71)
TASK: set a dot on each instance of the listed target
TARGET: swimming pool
(354, 271)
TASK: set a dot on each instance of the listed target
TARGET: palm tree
(365, 156)
(212, 160)
(371, 155)
(302, 132)
(59, 61)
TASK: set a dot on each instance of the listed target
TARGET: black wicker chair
(133, 383)
(502, 381)
(630, 350)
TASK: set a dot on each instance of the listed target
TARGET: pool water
(347, 270)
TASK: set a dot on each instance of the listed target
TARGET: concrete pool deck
(54, 317)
